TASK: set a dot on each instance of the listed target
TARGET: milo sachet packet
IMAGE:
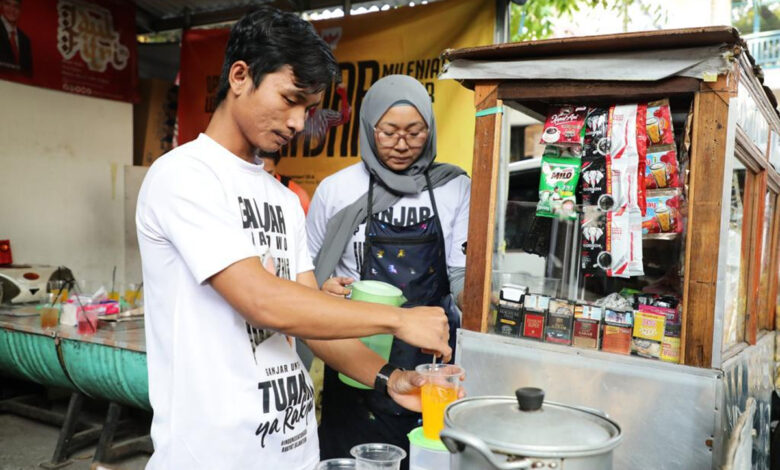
(557, 187)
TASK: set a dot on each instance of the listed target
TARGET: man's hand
(404, 388)
(337, 286)
(427, 328)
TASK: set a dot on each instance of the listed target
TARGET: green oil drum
(107, 373)
(32, 357)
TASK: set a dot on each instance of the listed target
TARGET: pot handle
(456, 442)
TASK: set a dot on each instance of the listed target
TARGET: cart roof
(639, 41)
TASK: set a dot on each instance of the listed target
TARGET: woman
(396, 217)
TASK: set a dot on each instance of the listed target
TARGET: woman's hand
(337, 286)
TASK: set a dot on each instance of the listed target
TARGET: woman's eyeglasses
(413, 138)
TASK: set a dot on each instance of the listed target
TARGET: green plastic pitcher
(377, 292)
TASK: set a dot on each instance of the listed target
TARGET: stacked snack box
(587, 326)
(648, 334)
(535, 315)
(560, 319)
(617, 331)
(510, 310)
(670, 343)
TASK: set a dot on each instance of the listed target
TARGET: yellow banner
(406, 40)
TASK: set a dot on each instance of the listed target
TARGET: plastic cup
(132, 294)
(443, 382)
(87, 321)
(115, 292)
(50, 316)
(378, 456)
(59, 288)
(337, 464)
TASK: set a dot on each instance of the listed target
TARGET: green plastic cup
(377, 292)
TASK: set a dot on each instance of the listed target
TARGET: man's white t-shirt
(344, 187)
(225, 395)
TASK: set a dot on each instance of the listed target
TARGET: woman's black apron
(412, 258)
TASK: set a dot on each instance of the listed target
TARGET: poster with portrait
(77, 46)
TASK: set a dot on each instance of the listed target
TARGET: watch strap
(383, 376)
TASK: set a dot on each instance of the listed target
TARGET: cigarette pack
(587, 326)
(533, 325)
(616, 339)
(646, 348)
(670, 349)
(649, 326)
(510, 310)
(559, 322)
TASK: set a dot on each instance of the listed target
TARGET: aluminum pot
(509, 433)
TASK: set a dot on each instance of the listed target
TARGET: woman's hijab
(389, 186)
(387, 92)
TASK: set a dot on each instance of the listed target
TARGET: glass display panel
(736, 270)
(581, 261)
(750, 119)
(765, 307)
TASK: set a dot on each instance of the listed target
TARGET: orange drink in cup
(50, 316)
(442, 386)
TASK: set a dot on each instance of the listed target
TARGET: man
(270, 162)
(227, 388)
(14, 44)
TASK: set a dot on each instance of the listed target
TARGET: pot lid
(528, 426)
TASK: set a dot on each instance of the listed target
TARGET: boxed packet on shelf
(617, 331)
(648, 334)
(670, 344)
(534, 315)
(587, 322)
(560, 320)
(510, 310)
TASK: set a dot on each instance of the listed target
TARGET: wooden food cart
(722, 268)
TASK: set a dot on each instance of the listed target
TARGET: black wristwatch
(382, 377)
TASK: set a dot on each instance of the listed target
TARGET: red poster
(202, 54)
(85, 47)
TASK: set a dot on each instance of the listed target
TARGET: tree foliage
(742, 17)
(536, 16)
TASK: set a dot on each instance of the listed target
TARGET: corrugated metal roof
(163, 15)
(166, 9)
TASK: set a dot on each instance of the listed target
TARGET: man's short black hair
(268, 39)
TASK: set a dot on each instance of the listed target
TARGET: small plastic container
(378, 456)
(427, 454)
(337, 464)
